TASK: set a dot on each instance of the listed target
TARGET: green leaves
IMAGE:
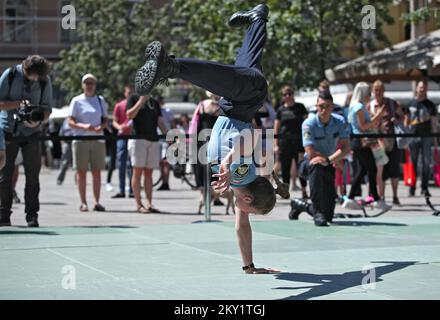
(113, 39)
(304, 38)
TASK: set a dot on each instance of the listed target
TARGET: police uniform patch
(241, 171)
(307, 135)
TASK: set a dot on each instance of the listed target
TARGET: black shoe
(131, 195)
(118, 195)
(32, 221)
(164, 187)
(412, 192)
(218, 203)
(298, 206)
(98, 208)
(156, 70)
(425, 193)
(319, 219)
(244, 18)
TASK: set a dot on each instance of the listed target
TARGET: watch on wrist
(329, 162)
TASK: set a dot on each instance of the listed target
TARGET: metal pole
(207, 187)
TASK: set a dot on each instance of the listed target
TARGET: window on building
(17, 22)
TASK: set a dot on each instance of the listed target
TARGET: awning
(409, 60)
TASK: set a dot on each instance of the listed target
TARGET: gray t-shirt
(22, 89)
(88, 110)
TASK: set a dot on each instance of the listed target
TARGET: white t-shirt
(88, 110)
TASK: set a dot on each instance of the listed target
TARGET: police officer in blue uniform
(321, 132)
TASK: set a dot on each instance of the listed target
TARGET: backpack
(11, 76)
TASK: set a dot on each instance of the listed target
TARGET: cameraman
(26, 84)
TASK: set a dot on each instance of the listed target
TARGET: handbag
(409, 173)
(379, 155)
(402, 142)
(436, 167)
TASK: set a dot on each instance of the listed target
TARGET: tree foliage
(304, 38)
(113, 35)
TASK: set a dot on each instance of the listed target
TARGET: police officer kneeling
(321, 132)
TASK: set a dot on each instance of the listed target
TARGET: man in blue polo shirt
(321, 132)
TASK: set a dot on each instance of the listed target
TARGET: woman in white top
(88, 116)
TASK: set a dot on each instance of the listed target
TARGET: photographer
(25, 102)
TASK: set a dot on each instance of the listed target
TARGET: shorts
(144, 153)
(88, 155)
(392, 168)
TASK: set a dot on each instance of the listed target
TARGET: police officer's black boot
(320, 220)
(244, 18)
(159, 66)
(298, 206)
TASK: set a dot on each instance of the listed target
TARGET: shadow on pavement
(358, 223)
(33, 232)
(106, 227)
(325, 284)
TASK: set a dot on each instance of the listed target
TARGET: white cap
(88, 76)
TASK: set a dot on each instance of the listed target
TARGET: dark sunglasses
(288, 94)
(324, 105)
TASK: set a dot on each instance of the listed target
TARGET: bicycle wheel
(189, 177)
(157, 177)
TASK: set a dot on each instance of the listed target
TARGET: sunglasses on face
(324, 105)
(288, 94)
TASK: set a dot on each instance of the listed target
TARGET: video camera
(28, 112)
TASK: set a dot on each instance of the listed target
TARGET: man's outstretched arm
(244, 237)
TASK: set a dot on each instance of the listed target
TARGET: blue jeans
(242, 85)
(422, 146)
(124, 165)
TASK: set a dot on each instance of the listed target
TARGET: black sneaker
(412, 191)
(164, 187)
(118, 195)
(32, 221)
(156, 70)
(244, 18)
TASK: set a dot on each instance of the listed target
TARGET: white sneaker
(381, 205)
(109, 187)
(351, 204)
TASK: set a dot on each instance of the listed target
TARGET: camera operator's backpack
(11, 76)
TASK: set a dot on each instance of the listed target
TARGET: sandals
(83, 208)
(98, 207)
(144, 210)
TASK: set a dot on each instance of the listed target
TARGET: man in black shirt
(144, 154)
(423, 120)
(289, 118)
